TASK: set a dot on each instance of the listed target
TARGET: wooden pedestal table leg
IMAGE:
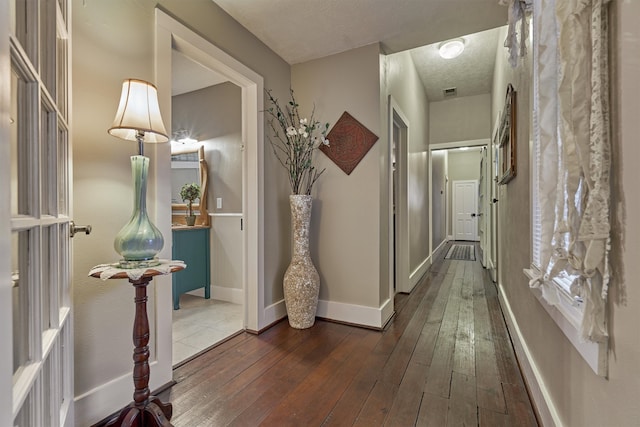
(145, 410)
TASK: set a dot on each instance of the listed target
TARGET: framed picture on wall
(506, 139)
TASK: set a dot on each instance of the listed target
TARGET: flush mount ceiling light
(451, 48)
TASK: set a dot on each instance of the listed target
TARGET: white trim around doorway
(179, 36)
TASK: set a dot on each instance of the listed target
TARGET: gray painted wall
(600, 401)
(112, 41)
(460, 119)
(345, 223)
(438, 196)
(213, 116)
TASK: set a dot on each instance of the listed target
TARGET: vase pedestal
(301, 282)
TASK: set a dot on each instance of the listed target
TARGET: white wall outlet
(219, 202)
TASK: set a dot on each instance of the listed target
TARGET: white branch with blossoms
(294, 140)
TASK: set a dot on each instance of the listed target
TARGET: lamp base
(139, 241)
(144, 263)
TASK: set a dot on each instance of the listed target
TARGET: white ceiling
(471, 73)
(303, 30)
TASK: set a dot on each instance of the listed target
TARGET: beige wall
(345, 220)
(404, 84)
(438, 196)
(460, 119)
(213, 116)
(112, 41)
(580, 397)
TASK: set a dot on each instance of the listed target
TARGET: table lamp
(138, 119)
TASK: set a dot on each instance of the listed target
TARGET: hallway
(444, 359)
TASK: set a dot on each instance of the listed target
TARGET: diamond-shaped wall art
(349, 142)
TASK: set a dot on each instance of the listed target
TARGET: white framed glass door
(38, 192)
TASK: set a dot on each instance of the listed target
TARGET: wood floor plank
(439, 378)
(464, 354)
(377, 406)
(264, 392)
(199, 387)
(505, 356)
(490, 393)
(489, 418)
(238, 383)
(399, 360)
(423, 353)
(311, 401)
(445, 358)
(366, 389)
(433, 411)
(440, 304)
(520, 411)
(406, 405)
(462, 404)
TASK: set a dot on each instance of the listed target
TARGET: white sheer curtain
(517, 14)
(571, 128)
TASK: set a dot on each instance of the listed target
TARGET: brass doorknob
(74, 229)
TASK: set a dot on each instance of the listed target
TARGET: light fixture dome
(451, 48)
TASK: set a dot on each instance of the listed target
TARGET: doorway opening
(459, 182)
(206, 115)
(398, 209)
(236, 214)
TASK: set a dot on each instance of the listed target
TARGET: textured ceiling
(471, 73)
(302, 30)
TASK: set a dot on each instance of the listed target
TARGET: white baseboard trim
(374, 317)
(544, 404)
(275, 312)
(450, 237)
(417, 274)
(221, 293)
(106, 399)
(348, 313)
(440, 246)
(233, 295)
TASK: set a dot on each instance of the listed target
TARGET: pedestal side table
(145, 410)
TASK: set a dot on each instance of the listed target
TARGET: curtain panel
(572, 131)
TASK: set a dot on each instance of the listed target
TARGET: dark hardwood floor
(445, 359)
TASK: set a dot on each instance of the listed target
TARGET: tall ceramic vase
(301, 280)
(139, 240)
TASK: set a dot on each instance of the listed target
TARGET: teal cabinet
(191, 245)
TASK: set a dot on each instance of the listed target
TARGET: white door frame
(403, 284)
(169, 34)
(6, 306)
(475, 236)
(446, 146)
(172, 33)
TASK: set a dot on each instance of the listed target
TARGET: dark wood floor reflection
(445, 359)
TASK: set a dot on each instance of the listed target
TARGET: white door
(465, 205)
(35, 192)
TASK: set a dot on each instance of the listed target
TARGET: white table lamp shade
(139, 112)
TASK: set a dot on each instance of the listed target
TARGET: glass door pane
(24, 132)
(21, 284)
(25, 26)
(49, 158)
(48, 42)
(62, 170)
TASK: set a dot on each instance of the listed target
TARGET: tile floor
(201, 323)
